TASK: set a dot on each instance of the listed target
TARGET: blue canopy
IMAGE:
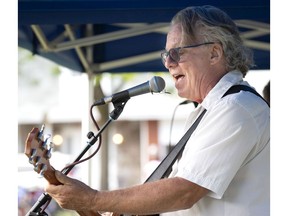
(124, 35)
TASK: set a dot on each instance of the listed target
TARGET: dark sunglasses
(174, 52)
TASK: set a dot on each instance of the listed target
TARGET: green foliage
(56, 70)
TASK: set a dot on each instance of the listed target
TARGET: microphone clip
(118, 108)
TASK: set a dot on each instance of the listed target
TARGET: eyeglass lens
(173, 53)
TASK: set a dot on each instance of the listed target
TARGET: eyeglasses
(174, 52)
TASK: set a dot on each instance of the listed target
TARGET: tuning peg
(43, 169)
(40, 168)
(37, 168)
(40, 134)
(48, 153)
(37, 160)
(44, 143)
(31, 160)
(33, 152)
(34, 160)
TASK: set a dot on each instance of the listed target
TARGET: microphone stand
(36, 209)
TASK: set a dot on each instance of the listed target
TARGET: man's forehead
(174, 35)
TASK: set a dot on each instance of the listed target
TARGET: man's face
(192, 70)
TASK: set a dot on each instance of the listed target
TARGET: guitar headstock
(39, 152)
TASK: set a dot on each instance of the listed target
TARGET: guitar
(38, 151)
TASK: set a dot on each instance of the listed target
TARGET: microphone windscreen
(157, 84)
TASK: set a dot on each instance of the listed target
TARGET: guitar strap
(238, 88)
(165, 167)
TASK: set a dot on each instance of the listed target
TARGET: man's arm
(165, 195)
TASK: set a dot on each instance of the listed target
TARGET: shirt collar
(216, 93)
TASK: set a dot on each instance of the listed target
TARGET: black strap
(164, 167)
(238, 88)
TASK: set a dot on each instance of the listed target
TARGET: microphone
(156, 84)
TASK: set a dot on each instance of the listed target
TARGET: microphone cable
(172, 120)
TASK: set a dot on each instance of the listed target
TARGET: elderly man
(224, 168)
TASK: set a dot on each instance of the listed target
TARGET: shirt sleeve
(218, 147)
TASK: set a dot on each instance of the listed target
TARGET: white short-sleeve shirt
(229, 153)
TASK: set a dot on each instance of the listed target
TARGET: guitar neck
(49, 175)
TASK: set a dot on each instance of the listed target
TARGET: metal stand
(37, 209)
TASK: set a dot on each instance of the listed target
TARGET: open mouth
(178, 76)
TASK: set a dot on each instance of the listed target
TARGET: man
(224, 168)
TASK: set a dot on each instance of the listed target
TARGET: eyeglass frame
(167, 53)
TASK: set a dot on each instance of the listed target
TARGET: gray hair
(214, 25)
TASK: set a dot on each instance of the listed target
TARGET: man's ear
(216, 53)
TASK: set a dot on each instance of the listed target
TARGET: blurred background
(132, 145)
